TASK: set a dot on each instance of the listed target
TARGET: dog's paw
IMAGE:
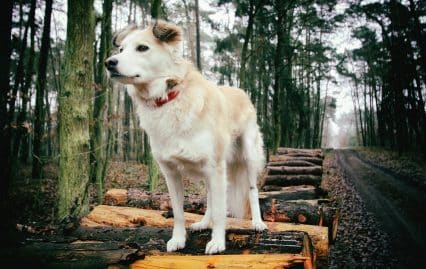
(259, 225)
(215, 246)
(175, 243)
(198, 226)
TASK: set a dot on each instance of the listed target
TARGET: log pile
(301, 222)
(291, 190)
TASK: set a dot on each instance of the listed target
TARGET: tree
(75, 110)
(5, 51)
(40, 109)
(101, 136)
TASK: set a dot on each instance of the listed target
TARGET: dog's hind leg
(254, 158)
(175, 186)
(217, 190)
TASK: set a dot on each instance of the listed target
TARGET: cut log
(104, 216)
(301, 192)
(313, 212)
(258, 261)
(292, 180)
(299, 163)
(282, 158)
(135, 197)
(289, 170)
(116, 197)
(301, 152)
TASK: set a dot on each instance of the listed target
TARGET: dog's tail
(248, 163)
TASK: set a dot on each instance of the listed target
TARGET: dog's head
(145, 55)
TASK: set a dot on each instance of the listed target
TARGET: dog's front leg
(217, 190)
(175, 186)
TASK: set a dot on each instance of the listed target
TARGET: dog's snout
(111, 63)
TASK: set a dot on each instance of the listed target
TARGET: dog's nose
(111, 63)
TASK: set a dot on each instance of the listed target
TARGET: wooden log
(135, 197)
(283, 150)
(292, 180)
(104, 216)
(281, 158)
(100, 248)
(313, 212)
(257, 261)
(300, 192)
(289, 170)
(301, 152)
(299, 163)
(115, 197)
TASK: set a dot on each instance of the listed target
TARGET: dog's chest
(189, 154)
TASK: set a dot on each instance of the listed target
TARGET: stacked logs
(291, 190)
(291, 202)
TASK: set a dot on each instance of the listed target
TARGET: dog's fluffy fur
(207, 131)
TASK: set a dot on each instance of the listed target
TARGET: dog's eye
(142, 48)
(121, 50)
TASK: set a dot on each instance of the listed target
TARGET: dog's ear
(120, 35)
(167, 32)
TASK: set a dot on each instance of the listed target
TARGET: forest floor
(381, 194)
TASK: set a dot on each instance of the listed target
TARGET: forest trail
(397, 205)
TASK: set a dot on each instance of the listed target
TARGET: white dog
(196, 129)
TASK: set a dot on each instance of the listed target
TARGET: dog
(196, 129)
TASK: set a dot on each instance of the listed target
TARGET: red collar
(170, 96)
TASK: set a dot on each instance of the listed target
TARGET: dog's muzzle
(111, 66)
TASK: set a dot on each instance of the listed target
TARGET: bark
(313, 212)
(301, 152)
(150, 200)
(75, 111)
(289, 170)
(40, 108)
(297, 163)
(21, 145)
(100, 130)
(302, 192)
(248, 34)
(5, 52)
(291, 180)
(284, 158)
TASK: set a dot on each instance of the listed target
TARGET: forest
(58, 108)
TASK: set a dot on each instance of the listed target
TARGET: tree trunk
(40, 109)
(5, 52)
(21, 145)
(197, 27)
(247, 37)
(100, 131)
(75, 111)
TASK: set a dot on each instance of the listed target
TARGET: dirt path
(398, 207)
